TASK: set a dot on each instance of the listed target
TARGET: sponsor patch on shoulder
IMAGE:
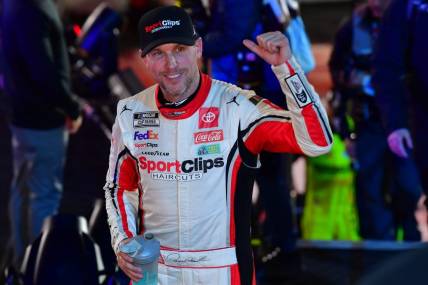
(146, 119)
(255, 99)
(300, 94)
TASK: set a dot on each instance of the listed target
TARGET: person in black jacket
(401, 80)
(387, 188)
(36, 70)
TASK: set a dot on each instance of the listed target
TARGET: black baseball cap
(167, 24)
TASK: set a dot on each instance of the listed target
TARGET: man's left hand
(272, 47)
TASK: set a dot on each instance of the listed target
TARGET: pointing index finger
(253, 47)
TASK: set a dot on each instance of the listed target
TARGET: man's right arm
(305, 127)
(121, 189)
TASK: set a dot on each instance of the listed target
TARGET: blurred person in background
(85, 7)
(330, 211)
(387, 186)
(36, 70)
(401, 81)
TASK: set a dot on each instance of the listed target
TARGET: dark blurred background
(87, 157)
(88, 150)
(86, 165)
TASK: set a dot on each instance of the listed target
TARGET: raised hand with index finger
(272, 47)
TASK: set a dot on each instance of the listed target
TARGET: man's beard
(178, 93)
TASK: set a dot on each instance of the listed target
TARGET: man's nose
(171, 60)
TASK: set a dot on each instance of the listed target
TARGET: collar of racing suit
(189, 108)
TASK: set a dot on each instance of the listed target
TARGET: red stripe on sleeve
(313, 125)
(273, 136)
(142, 230)
(292, 71)
(128, 180)
(123, 215)
(128, 175)
(232, 230)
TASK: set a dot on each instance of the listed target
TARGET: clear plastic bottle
(145, 251)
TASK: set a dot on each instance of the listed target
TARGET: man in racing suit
(184, 152)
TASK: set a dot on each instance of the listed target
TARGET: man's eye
(156, 53)
(180, 49)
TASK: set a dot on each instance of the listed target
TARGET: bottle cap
(143, 249)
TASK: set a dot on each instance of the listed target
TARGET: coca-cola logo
(209, 136)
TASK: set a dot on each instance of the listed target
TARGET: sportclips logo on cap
(163, 24)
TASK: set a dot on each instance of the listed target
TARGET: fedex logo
(149, 135)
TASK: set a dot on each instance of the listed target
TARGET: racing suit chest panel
(179, 161)
(204, 141)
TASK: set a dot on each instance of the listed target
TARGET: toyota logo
(208, 117)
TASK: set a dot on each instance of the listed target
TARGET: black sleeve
(232, 22)
(341, 54)
(389, 77)
(46, 55)
(339, 65)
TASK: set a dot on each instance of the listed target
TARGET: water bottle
(145, 251)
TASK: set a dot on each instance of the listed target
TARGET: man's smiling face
(175, 68)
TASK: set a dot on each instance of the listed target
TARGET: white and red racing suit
(186, 174)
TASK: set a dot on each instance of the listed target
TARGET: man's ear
(144, 58)
(199, 47)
